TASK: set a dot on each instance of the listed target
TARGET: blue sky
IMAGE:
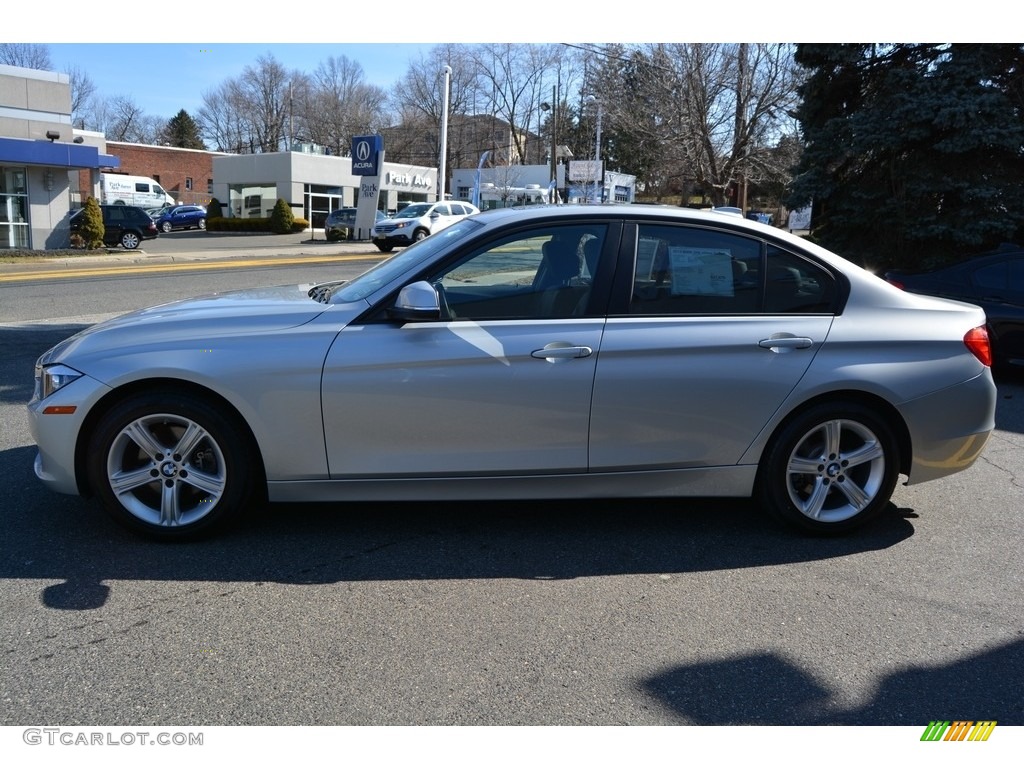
(163, 78)
(164, 72)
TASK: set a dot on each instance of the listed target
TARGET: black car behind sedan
(124, 225)
(995, 282)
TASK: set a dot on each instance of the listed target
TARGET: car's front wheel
(830, 469)
(130, 240)
(169, 465)
(420, 234)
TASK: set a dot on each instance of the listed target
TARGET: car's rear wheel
(166, 226)
(130, 240)
(830, 469)
(169, 465)
(202, 223)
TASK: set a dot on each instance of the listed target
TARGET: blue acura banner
(365, 155)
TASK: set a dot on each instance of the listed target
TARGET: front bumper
(57, 435)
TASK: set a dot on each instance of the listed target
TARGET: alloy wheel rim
(835, 471)
(166, 470)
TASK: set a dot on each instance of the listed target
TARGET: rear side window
(794, 284)
(691, 271)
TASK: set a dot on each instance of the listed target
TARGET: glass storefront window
(14, 228)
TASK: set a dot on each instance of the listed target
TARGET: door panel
(460, 398)
(694, 391)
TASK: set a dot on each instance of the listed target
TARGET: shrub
(214, 209)
(281, 219)
(92, 230)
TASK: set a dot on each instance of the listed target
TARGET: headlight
(402, 225)
(51, 378)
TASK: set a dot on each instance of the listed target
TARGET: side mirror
(417, 301)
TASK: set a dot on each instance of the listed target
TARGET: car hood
(218, 315)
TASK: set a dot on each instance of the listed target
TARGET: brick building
(187, 174)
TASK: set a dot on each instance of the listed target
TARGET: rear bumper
(951, 442)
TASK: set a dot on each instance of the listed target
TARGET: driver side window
(540, 273)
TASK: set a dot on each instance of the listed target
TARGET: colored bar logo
(958, 730)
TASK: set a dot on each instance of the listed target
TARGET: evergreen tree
(92, 230)
(214, 209)
(282, 218)
(913, 153)
(182, 131)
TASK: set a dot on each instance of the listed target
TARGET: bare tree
(417, 101)
(82, 91)
(219, 120)
(250, 113)
(336, 103)
(731, 100)
(261, 93)
(29, 55)
(514, 83)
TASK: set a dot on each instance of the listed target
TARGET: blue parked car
(182, 217)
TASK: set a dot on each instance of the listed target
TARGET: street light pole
(598, 172)
(443, 161)
(599, 183)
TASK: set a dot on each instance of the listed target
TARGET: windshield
(413, 211)
(405, 261)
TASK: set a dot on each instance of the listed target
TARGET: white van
(119, 189)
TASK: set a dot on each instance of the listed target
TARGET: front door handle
(778, 344)
(561, 350)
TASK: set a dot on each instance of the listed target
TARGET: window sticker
(701, 271)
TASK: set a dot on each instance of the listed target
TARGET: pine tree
(912, 152)
(92, 230)
(282, 218)
(182, 131)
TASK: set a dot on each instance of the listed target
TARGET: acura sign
(366, 155)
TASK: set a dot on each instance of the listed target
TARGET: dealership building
(41, 158)
(314, 184)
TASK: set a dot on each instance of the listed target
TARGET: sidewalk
(224, 247)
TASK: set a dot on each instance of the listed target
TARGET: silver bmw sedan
(548, 352)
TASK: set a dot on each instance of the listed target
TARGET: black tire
(384, 248)
(130, 240)
(169, 465)
(166, 226)
(202, 223)
(419, 234)
(829, 469)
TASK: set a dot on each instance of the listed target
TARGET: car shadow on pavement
(769, 689)
(71, 541)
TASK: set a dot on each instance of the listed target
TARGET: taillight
(977, 341)
(895, 282)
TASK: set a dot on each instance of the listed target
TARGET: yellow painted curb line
(135, 268)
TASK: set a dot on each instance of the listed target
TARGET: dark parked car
(341, 222)
(126, 225)
(182, 217)
(995, 282)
